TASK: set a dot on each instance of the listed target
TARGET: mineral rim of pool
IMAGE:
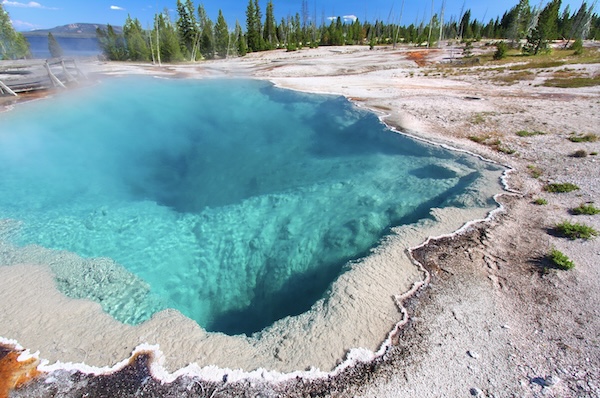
(274, 222)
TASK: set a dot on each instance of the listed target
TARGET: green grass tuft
(576, 230)
(560, 260)
(585, 209)
(561, 187)
(540, 202)
(591, 137)
(574, 82)
(534, 171)
(525, 133)
(478, 139)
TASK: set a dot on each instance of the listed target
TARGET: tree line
(192, 35)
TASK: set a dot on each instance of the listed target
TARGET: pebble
(551, 381)
(473, 354)
(476, 392)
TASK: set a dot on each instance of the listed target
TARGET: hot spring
(232, 201)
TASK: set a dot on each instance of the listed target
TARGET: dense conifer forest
(191, 35)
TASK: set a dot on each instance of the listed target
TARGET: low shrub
(560, 260)
(501, 50)
(478, 139)
(524, 133)
(577, 47)
(561, 187)
(585, 209)
(579, 154)
(576, 230)
(540, 202)
(591, 137)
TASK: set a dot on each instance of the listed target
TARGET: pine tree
(259, 27)
(169, 49)
(13, 45)
(242, 47)
(112, 44)
(252, 37)
(221, 36)
(137, 46)
(55, 49)
(465, 30)
(207, 40)
(270, 31)
(187, 28)
(546, 29)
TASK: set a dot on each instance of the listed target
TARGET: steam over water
(233, 201)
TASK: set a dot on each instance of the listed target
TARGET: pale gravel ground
(491, 322)
(497, 327)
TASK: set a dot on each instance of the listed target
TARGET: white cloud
(345, 18)
(117, 8)
(31, 4)
(20, 25)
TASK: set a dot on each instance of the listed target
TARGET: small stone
(473, 354)
(476, 392)
(551, 381)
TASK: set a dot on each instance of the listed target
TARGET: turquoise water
(233, 201)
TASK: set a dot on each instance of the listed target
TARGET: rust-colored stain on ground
(419, 56)
(14, 373)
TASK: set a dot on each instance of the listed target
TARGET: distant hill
(76, 30)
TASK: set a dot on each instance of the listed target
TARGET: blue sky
(42, 14)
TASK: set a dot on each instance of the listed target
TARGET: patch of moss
(524, 133)
(591, 137)
(561, 187)
(534, 171)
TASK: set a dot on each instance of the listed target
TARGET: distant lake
(72, 46)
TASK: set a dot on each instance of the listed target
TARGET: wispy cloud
(22, 25)
(345, 18)
(117, 8)
(31, 4)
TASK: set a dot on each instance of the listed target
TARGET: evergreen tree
(259, 27)
(207, 40)
(13, 45)
(546, 29)
(520, 22)
(187, 28)
(581, 23)
(55, 49)
(242, 48)
(168, 41)
(112, 44)
(465, 30)
(252, 37)
(270, 30)
(135, 40)
(221, 36)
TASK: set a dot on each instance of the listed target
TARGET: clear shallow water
(235, 202)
